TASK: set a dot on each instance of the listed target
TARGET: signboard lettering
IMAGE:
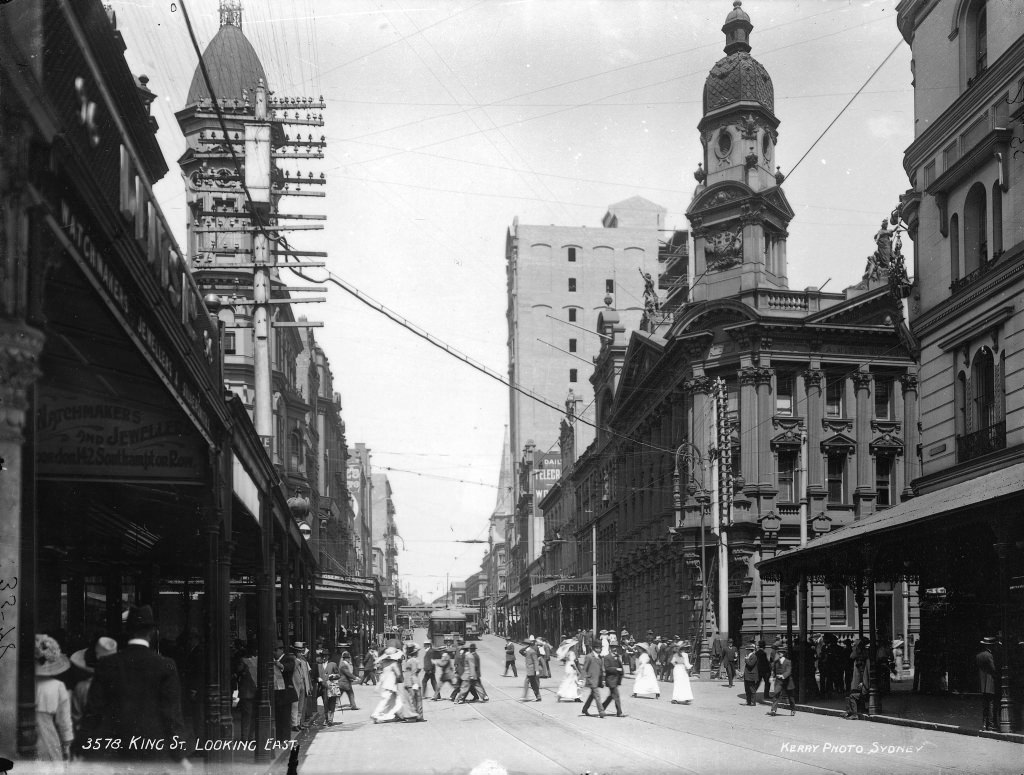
(82, 436)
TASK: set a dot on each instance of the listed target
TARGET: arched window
(954, 247)
(294, 452)
(997, 220)
(983, 378)
(975, 230)
(980, 39)
(971, 24)
(960, 396)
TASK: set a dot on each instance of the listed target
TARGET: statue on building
(651, 301)
(881, 260)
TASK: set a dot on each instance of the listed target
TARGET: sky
(446, 120)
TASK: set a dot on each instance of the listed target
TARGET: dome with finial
(232, 64)
(738, 77)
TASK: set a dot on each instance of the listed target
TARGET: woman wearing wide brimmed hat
(53, 702)
(395, 704)
(682, 694)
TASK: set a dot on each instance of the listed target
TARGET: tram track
(667, 725)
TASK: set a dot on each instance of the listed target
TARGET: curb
(1009, 737)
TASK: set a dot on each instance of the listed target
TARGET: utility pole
(722, 481)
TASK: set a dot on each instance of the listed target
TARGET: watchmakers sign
(86, 437)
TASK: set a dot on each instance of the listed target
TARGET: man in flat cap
(135, 694)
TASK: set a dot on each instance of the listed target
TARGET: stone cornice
(975, 99)
(1010, 269)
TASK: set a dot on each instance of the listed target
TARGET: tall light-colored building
(559, 278)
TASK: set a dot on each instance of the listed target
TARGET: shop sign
(79, 436)
(546, 473)
(574, 588)
(89, 251)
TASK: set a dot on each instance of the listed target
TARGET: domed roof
(233, 65)
(738, 78)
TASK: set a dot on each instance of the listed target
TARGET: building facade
(749, 416)
(957, 544)
(128, 477)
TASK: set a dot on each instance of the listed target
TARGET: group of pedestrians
(105, 692)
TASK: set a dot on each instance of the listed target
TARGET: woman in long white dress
(395, 704)
(681, 691)
(569, 690)
(646, 682)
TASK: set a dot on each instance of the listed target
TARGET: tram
(446, 628)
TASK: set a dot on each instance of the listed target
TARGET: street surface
(718, 733)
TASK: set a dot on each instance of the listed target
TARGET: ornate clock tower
(739, 213)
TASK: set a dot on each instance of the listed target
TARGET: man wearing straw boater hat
(85, 660)
(135, 694)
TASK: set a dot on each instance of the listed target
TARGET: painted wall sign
(88, 437)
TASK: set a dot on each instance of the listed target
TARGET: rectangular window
(572, 285)
(572, 254)
(572, 345)
(835, 392)
(787, 477)
(784, 386)
(837, 477)
(929, 173)
(950, 154)
(609, 286)
(883, 398)
(883, 480)
(572, 315)
(837, 605)
(229, 344)
(572, 375)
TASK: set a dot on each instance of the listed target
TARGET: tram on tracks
(446, 628)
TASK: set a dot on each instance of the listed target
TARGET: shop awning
(582, 585)
(893, 523)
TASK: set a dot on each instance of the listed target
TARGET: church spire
(503, 503)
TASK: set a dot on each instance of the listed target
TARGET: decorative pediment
(886, 444)
(791, 435)
(720, 194)
(838, 444)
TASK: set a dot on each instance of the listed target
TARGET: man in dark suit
(987, 680)
(135, 695)
(613, 675)
(764, 671)
(729, 658)
(782, 675)
(750, 674)
(593, 674)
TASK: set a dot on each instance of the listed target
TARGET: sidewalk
(956, 713)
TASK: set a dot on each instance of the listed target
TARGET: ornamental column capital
(814, 378)
(862, 380)
(763, 375)
(702, 384)
(909, 382)
(20, 348)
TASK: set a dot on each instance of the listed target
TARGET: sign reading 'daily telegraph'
(79, 436)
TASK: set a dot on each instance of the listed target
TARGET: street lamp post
(593, 571)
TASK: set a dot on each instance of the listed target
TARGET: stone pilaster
(911, 435)
(864, 494)
(817, 494)
(765, 457)
(749, 421)
(20, 349)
